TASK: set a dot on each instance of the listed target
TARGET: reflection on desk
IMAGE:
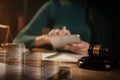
(33, 70)
(77, 73)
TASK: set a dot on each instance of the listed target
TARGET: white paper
(62, 57)
(59, 41)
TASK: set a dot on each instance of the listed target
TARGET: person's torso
(73, 17)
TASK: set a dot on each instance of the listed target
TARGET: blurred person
(82, 17)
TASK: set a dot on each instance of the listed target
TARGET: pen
(52, 56)
(64, 30)
(64, 27)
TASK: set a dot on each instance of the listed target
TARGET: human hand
(62, 31)
(79, 47)
(41, 40)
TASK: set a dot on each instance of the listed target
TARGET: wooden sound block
(98, 63)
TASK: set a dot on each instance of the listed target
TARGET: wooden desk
(77, 73)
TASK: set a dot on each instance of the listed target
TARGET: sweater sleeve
(34, 27)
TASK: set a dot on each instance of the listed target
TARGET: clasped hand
(62, 31)
(79, 47)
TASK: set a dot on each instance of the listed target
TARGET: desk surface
(77, 73)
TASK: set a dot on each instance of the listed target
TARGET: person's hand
(41, 40)
(62, 31)
(80, 47)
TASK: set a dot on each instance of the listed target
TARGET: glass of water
(14, 60)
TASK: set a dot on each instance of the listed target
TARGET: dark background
(17, 13)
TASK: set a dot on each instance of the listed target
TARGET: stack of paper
(62, 57)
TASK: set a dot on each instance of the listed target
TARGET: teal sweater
(72, 16)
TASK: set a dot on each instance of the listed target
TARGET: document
(62, 57)
(59, 41)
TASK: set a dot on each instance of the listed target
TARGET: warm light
(5, 33)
